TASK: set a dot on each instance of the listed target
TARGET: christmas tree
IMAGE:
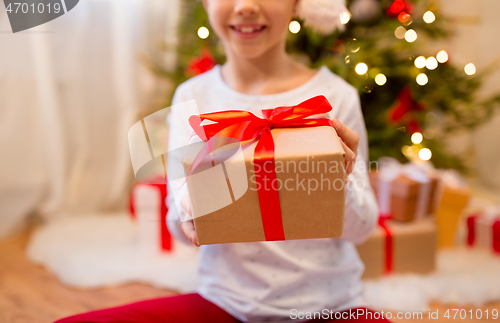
(411, 98)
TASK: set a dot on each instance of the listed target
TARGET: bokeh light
(442, 56)
(294, 26)
(400, 32)
(416, 138)
(203, 32)
(345, 17)
(411, 36)
(470, 69)
(425, 154)
(431, 63)
(422, 79)
(361, 68)
(420, 62)
(380, 79)
(429, 17)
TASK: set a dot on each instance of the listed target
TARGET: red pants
(185, 308)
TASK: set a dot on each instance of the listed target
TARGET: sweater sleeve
(361, 209)
(179, 133)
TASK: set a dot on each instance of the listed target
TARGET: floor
(30, 293)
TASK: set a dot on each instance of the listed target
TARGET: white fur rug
(96, 250)
(99, 250)
(463, 276)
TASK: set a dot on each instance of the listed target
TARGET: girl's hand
(188, 226)
(350, 140)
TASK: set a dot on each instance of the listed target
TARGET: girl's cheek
(220, 20)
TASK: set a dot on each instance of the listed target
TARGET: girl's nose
(246, 7)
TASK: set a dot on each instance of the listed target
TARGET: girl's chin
(250, 55)
(249, 51)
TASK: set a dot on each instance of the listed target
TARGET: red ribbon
(495, 234)
(165, 236)
(382, 222)
(243, 126)
(471, 228)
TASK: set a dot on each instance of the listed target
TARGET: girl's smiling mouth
(247, 31)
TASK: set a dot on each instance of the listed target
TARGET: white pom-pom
(322, 16)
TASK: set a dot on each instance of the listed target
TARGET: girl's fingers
(350, 158)
(186, 204)
(189, 231)
(349, 136)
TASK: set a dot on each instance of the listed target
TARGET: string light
(429, 17)
(422, 79)
(400, 32)
(442, 56)
(344, 18)
(411, 36)
(203, 32)
(416, 138)
(380, 79)
(294, 26)
(410, 151)
(470, 69)
(361, 68)
(431, 63)
(420, 62)
(425, 154)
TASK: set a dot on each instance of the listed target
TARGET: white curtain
(69, 91)
(475, 27)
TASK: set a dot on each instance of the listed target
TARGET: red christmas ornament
(399, 6)
(201, 64)
(413, 126)
(405, 109)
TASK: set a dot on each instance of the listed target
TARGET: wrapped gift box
(405, 248)
(450, 204)
(148, 209)
(404, 196)
(226, 205)
(484, 231)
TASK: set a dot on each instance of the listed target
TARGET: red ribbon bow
(243, 126)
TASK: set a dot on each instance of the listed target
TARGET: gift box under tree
(483, 230)
(148, 209)
(399, 247)
(404, 191)
(453, 197)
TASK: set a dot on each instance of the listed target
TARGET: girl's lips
(246, 35)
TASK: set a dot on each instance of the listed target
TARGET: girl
(266, 281)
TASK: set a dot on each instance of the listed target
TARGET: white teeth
(248, 30)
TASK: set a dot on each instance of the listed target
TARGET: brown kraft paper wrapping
(404, 196)
(414, 249)
(307, 213)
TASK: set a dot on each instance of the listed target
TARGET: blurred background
(428, 73)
